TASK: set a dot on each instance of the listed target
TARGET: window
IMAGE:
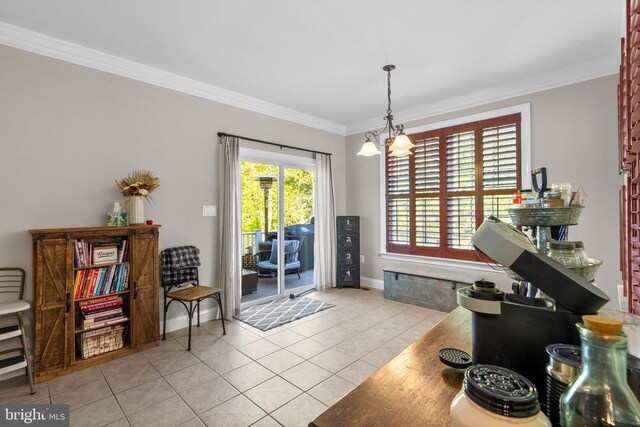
(456, 177)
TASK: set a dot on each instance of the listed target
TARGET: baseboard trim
(182, 321)
(372, 283)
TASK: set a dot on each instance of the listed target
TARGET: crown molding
(553, 80)
(31, 41)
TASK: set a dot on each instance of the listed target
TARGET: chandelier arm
(393, 130)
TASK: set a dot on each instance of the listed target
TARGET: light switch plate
(208, 210)
(361, 259)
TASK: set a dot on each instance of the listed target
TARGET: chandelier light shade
(399, 144)
(369, 149)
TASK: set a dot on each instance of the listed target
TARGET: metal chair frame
(191, 309)
(17, 281)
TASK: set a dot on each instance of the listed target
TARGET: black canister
(564, 365)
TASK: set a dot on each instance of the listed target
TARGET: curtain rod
(222, 134)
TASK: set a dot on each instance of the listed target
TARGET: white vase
(135, 209)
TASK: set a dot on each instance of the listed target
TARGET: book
(97, 320)
(78, 282)
(106, 322)
(97, 301)
(103, 312)
(123, 246)
(94, 307)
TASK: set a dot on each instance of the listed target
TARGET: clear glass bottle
(600, 395)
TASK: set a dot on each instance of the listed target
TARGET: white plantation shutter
(427, 159)
(398, 202)
(499, 157)
(499, 167)
(455, 178)
(461, 161)
(461, 177)
(427, 186)
(461, 221)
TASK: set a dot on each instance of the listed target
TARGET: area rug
(276, 313)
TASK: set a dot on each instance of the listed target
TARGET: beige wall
(574, 134)
(67, 132)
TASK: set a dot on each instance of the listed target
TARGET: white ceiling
(325, 58)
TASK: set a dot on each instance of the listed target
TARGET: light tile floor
(286, 376)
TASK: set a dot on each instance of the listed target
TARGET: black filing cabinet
(348, 228)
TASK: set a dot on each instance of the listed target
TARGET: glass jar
(493, 396)
(600, 395)
(552, 199)
(564, 252)
(565, 189)
(581, 255)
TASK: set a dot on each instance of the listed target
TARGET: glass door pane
(260, 202)
(297, 189)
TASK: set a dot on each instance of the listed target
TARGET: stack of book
(103, 311)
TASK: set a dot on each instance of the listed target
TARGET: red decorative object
(149, 221)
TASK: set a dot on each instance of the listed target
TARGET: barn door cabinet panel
(144, 273)
(96, 295)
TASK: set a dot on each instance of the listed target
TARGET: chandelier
(399, 144)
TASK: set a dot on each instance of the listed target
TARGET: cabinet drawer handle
(68, 302)
(135, 290)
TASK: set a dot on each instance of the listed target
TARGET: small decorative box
(116, 219)
(105, 254)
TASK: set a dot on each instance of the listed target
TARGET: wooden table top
(414, 389)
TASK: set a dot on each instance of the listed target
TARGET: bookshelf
(96, 295)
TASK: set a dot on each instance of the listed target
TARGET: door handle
(135, 290)
(68, 302)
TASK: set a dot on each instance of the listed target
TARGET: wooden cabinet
(59, 321)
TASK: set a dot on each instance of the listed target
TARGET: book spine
(98, 282)
(96, 301)
(125, 281)
(112, 273)
(87, 286)
(123, 246)
(76, 284)
(107, 322)
(92, 283)
(96, 320)
(76, 256)
(99, 313)
(94, 307)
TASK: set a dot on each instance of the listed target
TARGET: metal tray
(545, 217)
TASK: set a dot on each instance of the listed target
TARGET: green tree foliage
(298, 196)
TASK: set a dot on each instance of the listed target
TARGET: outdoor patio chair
(291, 253)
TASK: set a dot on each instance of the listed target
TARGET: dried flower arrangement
(138, 183)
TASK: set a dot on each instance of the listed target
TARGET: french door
(277, 224)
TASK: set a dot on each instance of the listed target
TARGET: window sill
(442, 262)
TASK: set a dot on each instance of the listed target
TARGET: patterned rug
(275, 313)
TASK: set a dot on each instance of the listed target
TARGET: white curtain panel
(324, 224)
(230, 226)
